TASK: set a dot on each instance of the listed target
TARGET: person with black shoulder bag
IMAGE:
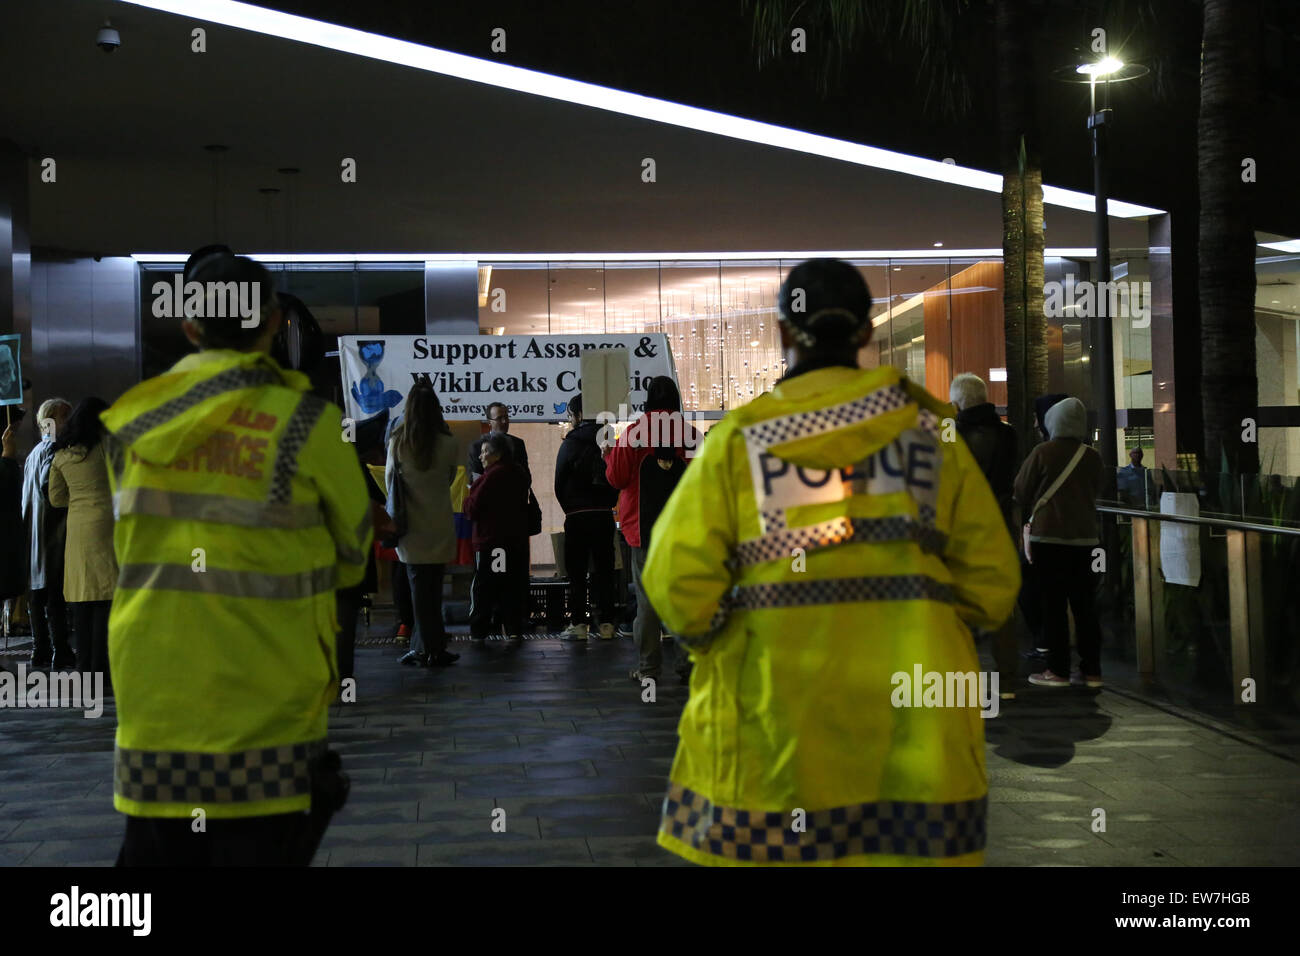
(1057, 488)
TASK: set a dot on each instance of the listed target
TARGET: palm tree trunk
(1226, 253)
(1024, 324)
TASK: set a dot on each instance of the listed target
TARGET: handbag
(534, 514)
(397, 504)
(1052, 489)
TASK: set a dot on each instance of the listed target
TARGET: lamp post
(1105, 374)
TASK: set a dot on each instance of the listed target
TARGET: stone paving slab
(552, 735)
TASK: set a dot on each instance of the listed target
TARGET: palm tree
(1226, 254)
(929, 32)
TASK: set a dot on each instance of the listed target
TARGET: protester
(992, 442)
(13, 563)
(1057, 492)
(661, 427)
(369, 445)
(498, 417)
(1132, 479)
(588, 500)
(498, 505)
(46, 528)
(422, 455)
(1030, 600)
(240, 511)
(803, 591)
(78, 481)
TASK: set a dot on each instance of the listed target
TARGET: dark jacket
(518, 455)
(1070, 516)
(993, 443)
(578, 460)
(660, 474)
(13, 555)
(498, 505)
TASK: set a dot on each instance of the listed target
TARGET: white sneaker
(574, 632)
(607, 632)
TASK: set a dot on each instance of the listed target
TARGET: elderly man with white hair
(46, 526)
(993, 444)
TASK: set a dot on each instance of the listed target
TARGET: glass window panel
(752, 344)
(691, 314)
(390, 300)
(516, 300)
(632, 297)
(577, 298)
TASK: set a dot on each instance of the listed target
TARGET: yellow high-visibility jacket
(828, 536)
(239, 510)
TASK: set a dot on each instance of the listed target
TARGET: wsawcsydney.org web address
(1203, 923)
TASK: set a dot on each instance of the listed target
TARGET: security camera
(108, 39)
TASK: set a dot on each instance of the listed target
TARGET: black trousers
(348, 603)
(402, 595)
(90, 618)
(428, 635)
(1064, 573)
(500, 590)
(589, 542)
(49, 616)
(284, 839)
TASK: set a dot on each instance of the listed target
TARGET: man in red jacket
(662, 426)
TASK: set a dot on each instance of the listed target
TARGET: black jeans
(281, 840)
(500, 590)
(589, 540)
(402, 595)
(49, 616)
(348, 603)
(428, 635)
(90, 618)
(1064, 573)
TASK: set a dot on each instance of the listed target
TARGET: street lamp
(1105, 369)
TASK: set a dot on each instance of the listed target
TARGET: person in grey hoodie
(1063, 534)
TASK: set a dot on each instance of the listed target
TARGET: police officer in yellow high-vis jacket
(240, 508)
(830, 536)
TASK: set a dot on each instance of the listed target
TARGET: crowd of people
(825, 537)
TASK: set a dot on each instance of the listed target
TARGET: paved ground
(555, 736)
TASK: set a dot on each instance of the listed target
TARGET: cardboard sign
(11, 370)
(606, 380)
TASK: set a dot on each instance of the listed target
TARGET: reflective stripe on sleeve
(779, 543)
(219, 509)
(266, 773)
(228, 583)
(295, 435)
(231, 380)
(895, 827)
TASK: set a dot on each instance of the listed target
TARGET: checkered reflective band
(896, 827)
(231, 380)
(296, 432)
(778, 545)
(901, 587)
(777, 431)
(152, 776)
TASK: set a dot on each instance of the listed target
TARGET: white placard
(1180, 544)
(534, 375)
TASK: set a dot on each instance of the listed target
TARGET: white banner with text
(533, 375)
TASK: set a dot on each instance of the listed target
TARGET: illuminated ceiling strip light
(343, 257)
(1290, 245)
(245, 16)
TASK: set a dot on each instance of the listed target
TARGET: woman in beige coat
(423, 450)
(79, 482)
